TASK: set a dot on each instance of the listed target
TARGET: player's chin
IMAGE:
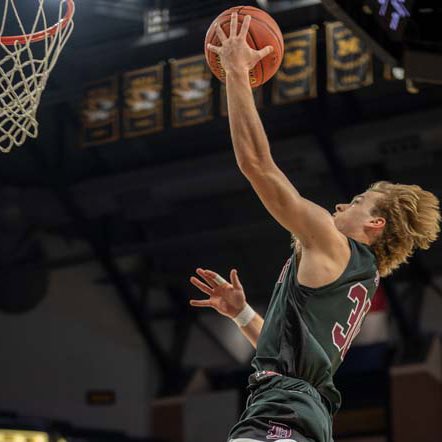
(339, 224)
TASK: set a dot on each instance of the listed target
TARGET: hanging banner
(192, 95)
(296, 78)
(143, 101)
(24, 436)
(100, 113)
(349, 62)
(257, 94)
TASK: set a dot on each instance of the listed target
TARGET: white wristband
(245, 316)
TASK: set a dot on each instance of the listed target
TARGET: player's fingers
(234, 24)
(235, 280)
(219, 280)
(220, 33)
(209, 273)
(200, 303)
(245, 27)
(208, 278)
(215, 278)
(265, 51)
(215, 49)
(200, 285)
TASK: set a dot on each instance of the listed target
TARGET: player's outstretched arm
(310, 223)
(228, 299)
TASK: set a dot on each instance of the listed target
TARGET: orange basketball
(263, 31)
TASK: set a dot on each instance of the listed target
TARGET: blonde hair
(412, 222)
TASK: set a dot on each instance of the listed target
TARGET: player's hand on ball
(227, 298)
(235, 54)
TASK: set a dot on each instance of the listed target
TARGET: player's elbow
(248, 167)
(252, 167)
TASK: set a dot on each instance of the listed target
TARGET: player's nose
(340, 207)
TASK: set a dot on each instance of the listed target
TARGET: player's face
(356, 215)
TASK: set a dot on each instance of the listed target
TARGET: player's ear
(376, 222)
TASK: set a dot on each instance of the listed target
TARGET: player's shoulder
(328, 241)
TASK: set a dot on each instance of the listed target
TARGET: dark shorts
(283, 408)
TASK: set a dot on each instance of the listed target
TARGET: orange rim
(42, 35)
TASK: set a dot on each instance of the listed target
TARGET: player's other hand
(235, 54)
(227, 298)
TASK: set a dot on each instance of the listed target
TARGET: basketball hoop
(26, 62)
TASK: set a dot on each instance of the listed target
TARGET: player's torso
(307, 332)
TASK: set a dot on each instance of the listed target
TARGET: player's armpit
(311, 224)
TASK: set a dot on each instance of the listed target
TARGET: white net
(25, 66)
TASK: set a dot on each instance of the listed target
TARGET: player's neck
(361, 237)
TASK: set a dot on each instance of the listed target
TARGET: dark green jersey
(307, 332)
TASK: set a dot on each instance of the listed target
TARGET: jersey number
(343, 336)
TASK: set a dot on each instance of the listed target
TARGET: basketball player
(325, 288)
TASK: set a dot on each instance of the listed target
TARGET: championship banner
(350, 63)
(100, 113)
(257, 94)
(296, 78)
(143, 101)
(192, 95)
(23, 436)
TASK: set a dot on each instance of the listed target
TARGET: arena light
(156, 20)
(123, 9)
(398, 73)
